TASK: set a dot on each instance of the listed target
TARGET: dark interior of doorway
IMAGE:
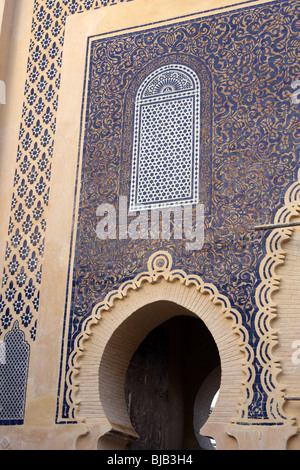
(163, 380)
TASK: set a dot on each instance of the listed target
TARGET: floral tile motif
(251, 58)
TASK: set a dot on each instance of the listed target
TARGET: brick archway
(123, 324)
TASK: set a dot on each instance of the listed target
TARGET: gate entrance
(170, 383)
(148, 366)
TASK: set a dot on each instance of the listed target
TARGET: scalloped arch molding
(161, 282)
(118, 325)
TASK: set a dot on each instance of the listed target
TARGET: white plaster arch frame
(112, 334)
(272, 437)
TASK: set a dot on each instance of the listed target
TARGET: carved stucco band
(159, 282)
(266, 307)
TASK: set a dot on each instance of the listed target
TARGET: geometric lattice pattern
(13, 377)
(165, 160)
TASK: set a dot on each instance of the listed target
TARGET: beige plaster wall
(14, 45)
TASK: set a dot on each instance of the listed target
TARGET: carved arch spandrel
(266, 327)
(287, 322)
(113, 333)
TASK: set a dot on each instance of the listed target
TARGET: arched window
(13, 377)
(166, 139)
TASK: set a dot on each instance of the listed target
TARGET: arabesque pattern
(251, 58)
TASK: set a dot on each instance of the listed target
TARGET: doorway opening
(170, 383)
